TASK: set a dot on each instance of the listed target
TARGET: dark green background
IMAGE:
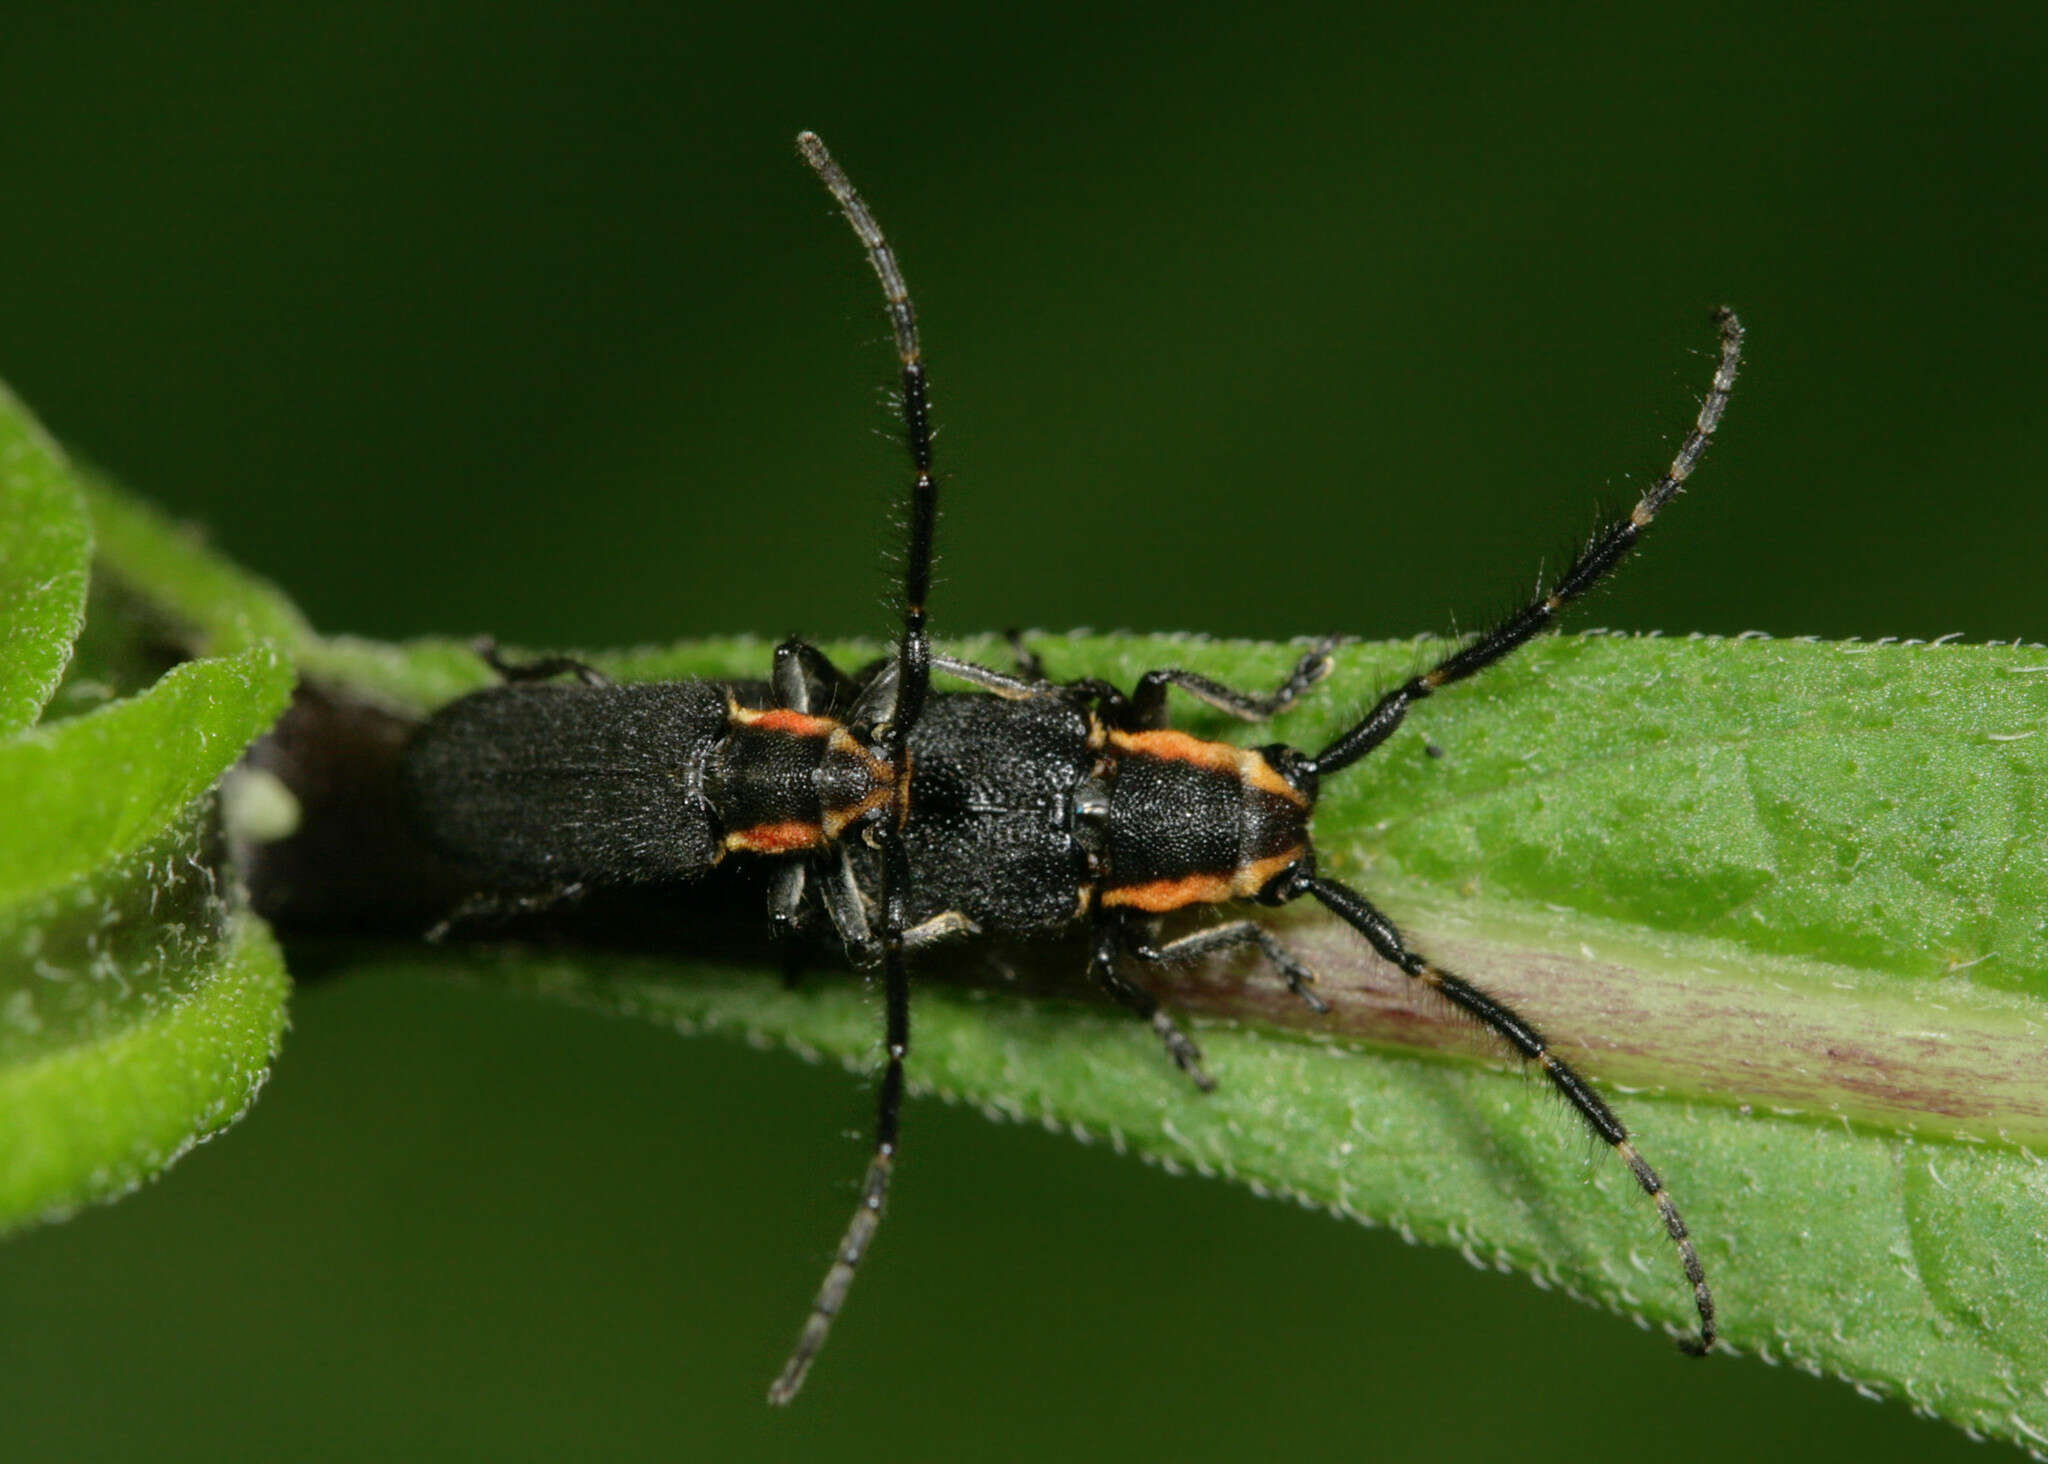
(464, 317)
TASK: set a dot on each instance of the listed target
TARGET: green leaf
(139, 1006)
(139, 1013)
(1787, 900)
(84, 792)
(45, 545)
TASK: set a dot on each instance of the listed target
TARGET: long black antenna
(1607, 548)
(914, 672)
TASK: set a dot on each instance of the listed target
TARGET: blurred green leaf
(88, 790)
(139, 1006)
(45, 546)
(213, 605)
(1790, 894)
(139, 1013)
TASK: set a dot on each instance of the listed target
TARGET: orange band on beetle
(782, 719)
(1161, 895)
(788, 837)
(1247, 765)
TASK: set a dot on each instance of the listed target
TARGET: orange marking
(1162, 895)
(1242, 763)
(881, 779)
(782, 719)
(787, 837)
(1169, 746)
(836, 819)
(1260, 774)
(1251, 878)
(846, 744)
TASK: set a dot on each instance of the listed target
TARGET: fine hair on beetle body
(905, 818)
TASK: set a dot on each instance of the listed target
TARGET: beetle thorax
(1198, 822)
